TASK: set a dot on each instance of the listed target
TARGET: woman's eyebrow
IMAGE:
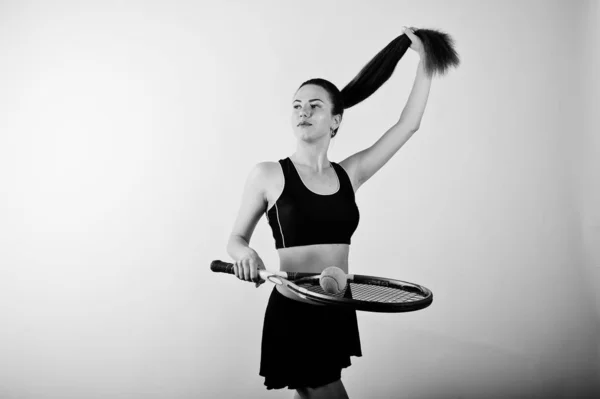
(314, 99)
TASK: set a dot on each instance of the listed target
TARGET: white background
(127, 130)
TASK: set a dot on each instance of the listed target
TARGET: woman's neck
(313, 155)
(316, 162)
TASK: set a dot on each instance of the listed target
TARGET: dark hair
(439, 57)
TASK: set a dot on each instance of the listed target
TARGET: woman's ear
(337, 119)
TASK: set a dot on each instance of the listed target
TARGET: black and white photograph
(320, 199)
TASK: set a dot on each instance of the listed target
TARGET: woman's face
(311, 113)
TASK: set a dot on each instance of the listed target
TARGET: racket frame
(291, 281)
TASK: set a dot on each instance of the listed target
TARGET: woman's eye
(312, 106)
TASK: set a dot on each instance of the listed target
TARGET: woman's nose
(304, 111)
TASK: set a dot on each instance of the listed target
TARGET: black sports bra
(302, 217)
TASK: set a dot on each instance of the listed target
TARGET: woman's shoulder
(267, 173)
(266, 168)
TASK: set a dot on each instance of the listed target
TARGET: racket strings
(374, 293)
(369, 293)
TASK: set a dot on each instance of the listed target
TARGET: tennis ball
(333, 280)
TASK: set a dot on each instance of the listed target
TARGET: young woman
(310, 205)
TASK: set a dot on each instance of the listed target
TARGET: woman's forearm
(238, 248)
(417, 100)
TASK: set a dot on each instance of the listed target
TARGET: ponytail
(438, 58)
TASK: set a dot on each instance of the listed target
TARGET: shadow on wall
(454, 369)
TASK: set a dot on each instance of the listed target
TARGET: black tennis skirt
(306, 345)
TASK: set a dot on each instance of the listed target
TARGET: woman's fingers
(259, 279)
(244, 269)
(416, 43)
(247, 270)
(236, 270)
(411, 34)
(253, 273)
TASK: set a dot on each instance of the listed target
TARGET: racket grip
(218, 266)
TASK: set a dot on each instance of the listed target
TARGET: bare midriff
(312, 259)
(308, 258)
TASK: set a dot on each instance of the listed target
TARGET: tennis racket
(366, 293)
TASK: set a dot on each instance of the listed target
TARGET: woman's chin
(308, 135)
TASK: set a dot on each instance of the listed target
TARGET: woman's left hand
(417, 44)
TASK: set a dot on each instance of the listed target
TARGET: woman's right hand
(247, 268)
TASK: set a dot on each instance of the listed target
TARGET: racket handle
(218, 266)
